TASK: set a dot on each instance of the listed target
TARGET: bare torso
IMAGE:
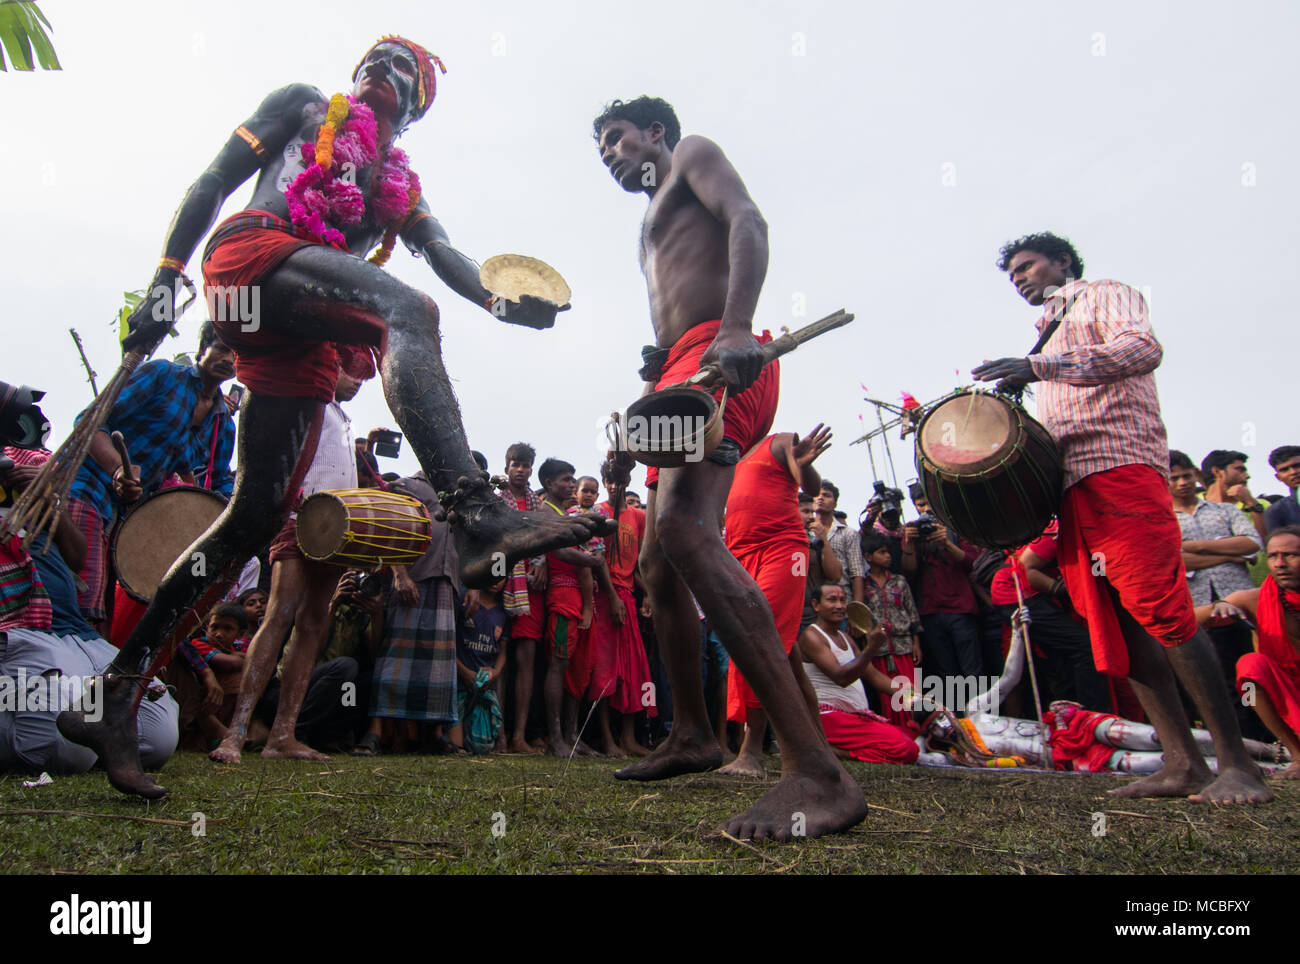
(685, 259)
(304, 113)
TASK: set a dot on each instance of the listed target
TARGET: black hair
(553, 469)
(233, 611)
(243, 596)
(1046, 244)
(873, 541)
(805, 497)
(592, 478)
(480, 460)
(642, 112)
(1219, 459)
(832, 488)
(207, 337)
(1180, 460)
(1283, 453)
(521, 452)
(817, 593)
(1282, 531)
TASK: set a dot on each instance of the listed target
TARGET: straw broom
(40, 507)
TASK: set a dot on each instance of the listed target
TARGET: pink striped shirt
(1098, 393)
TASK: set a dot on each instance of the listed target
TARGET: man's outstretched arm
(425, 236)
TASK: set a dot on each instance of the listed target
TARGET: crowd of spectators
(560, 655)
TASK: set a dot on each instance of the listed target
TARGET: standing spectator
(1285, 460)
(940, 561)
(173, 417)
(891, 603)
(414, 677)
(1225, 477)
(1217, 537)
(823, 565)
(524, 598)
(843, 540)
(628, 671)
(480, 661)
(568, 610)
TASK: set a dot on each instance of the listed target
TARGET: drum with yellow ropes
(363, 527)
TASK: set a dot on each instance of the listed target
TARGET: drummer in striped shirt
(1120, 542)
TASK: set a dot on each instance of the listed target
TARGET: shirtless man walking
(704, 255)
(287, 280)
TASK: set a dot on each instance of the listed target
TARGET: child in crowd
(480, 661)
(254, 603)
(890, 600)
(217, 658)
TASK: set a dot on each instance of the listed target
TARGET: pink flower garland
(320, 200)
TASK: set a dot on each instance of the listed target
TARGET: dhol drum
(363, 527)
(991, 471)
(157, 532)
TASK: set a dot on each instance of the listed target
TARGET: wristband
(176, 264)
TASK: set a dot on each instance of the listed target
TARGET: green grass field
(413, 814)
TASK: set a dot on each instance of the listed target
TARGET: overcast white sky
(892, 147)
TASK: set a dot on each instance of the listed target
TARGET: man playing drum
(287, 275)
(1119, 542)
(704, 255)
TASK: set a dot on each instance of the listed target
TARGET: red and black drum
(991, 471)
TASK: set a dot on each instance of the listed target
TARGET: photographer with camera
(883, 515)
(939, 562)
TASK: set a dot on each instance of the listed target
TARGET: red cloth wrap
(781, 579)
(1275, 668)
(1122, 521)
(532, 624)
(1074, 740)
(868, 737)
(271, 362)
(617, 664)
(748, 416)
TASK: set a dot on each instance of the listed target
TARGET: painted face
(1284, 561)
(834, 605)
(625, 149)
(1035, 275)
(389, 81)
(1182, 483)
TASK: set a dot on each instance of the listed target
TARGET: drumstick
(119, 443)
(709, 375)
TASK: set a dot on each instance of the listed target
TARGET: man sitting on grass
(836, 668)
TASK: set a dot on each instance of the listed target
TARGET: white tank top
(851, 698)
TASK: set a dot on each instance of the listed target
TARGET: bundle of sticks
(40, 507)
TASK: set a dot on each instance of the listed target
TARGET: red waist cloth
(763, 505)
(780, 569)
(748, 416)
(270, 362)
(1118, 529)
(1074, 740)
